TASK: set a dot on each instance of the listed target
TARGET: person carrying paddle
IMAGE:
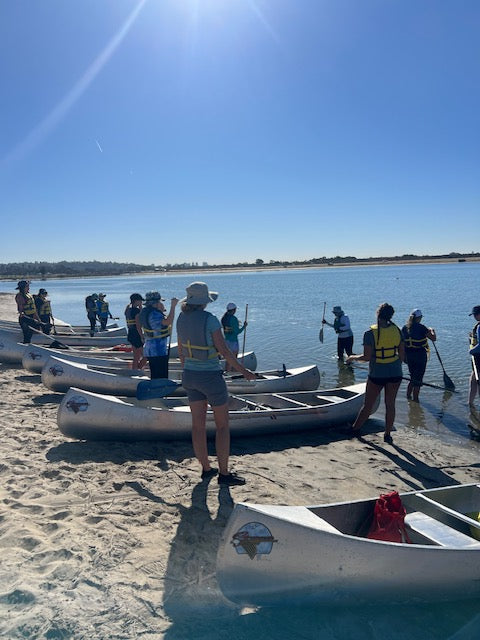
(341, 324)
(416, 336)
(157, 327)
(231, 330)
(44, 310)
(475, 353)
(383, 349)
(27, 311)
(200, 341)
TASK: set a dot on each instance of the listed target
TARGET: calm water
(284, 313)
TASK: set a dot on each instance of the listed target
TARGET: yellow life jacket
(164, 332)
(45, 309)
(473, 336)
(387, 340)
(29, 308)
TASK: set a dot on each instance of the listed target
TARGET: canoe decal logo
(56, 370)
(33, 356)
(254, 539)
(77, 404)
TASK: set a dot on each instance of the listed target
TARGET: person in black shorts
(134, 336)
(383, 349)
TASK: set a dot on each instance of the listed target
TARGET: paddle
(446, 380)
(56, 344)
(320, 335)
(475, 370)
(434, 386)
(156, 388)
(244, 333)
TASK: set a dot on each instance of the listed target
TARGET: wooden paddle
(320, 335)
(156, 388)
(446, 380)
(244, 333)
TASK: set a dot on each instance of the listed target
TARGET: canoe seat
(438, 532)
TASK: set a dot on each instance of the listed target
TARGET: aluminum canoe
(270, 554)
(59, 374)
(89, 416)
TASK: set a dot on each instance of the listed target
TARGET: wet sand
(105, 540)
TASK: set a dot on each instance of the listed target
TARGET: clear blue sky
(162, 131)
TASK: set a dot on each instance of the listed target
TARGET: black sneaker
(206, 475)
(230, 479)
(388, 438)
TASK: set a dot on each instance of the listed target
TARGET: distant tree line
(96, 268)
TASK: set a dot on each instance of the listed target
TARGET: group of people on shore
(386, 347)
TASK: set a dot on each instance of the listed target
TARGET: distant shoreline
(258, 268)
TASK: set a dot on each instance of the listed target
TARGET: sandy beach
(119, 541)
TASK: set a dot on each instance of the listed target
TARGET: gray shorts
(205, 385)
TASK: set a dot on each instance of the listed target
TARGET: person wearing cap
(475, 353)
(341, 324)
(44, 310)
(416, 336)
(91, 307)
(156, 326)
(231, 330)
(27, 311)
(103, 311)
(132, 312)
(200, 341)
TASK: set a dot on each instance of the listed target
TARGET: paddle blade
(157, 388)
(320, 335)
(448, 383)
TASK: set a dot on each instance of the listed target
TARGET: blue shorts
(205, 385)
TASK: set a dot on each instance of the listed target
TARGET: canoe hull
(89, 416)
(271, 554)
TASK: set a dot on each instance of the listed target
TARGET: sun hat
(198, 293)
(136, 296)
(475, 310)
(231, 306)
(42, 292)
(153, 296)
(416, 313)
(102, 295)
(337, 309)
(22, 284)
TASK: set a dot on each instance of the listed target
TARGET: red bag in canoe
(389, 519)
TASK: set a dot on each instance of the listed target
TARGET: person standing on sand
(44, 310)
(475, 353)
(91, 307)
(231, 330)
(103, 311)
(27, 311)
(341, 324)
(156, 326)
(200, 341)
(416, 336)
(383, 349)
(132, 313)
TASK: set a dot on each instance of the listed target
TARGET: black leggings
(158, 367)
(345, 344)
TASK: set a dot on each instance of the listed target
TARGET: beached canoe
(270, 554)
(105, 339)
(90, 416)
(35, 356)
(59, 374)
